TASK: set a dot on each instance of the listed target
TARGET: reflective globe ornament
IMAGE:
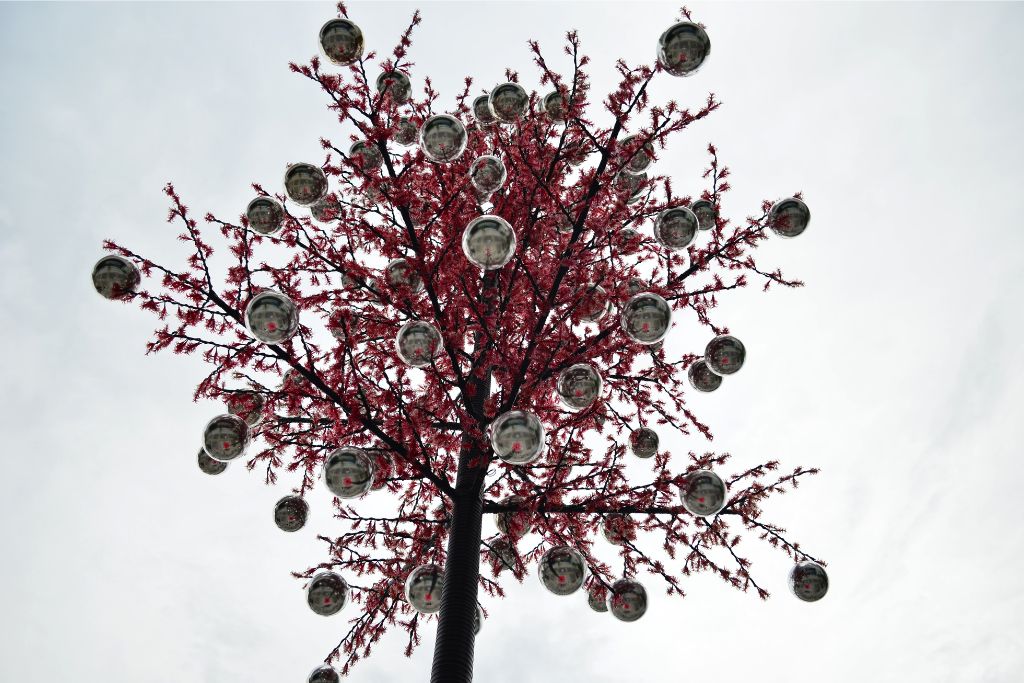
(489, 242)
(643, 442)
(702, 379)
(575, 152)
(424, 588)
(482, 110)
(325, 211)
(502, 555)
(594, 303)
(676, 228)
(562, 570)
(487, 173)
(642, 157)
(342, 41)
(617, 528)
(323, 674)
(272, 317)
(683, 48)
(366, 155)
(401, 276)
(396, 84)
(635, 285)
(265, 215)
(115, 277)
(305, 184)
(478, 620)
(724, 355)
(703, 493)
(627, 600)
(417, 343)
(348, 472)
(443, 138)
(407, 133)
(789, 217)
(514, 524)
(225, 437)
(554, 106)
(208, 465)
(706, 213)
(578, 386)
(247, 405)
(517, 437)
(628, 240)
(291, 513)
(646, 318)
(808, 581)
(509, 102)
(597, 598)
(327, 593)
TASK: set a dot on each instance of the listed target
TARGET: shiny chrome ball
(482, 110)
(417, 343)
(396, 84)
(517, 437)
(115, 277)
(325, 211)
(402, 277)
(341, 41)
(701, 378)
(247, 405)
(489, 242)
(327, 593)
(707, 214)
(703, 493)
(208, 465)
(627, 600)
(643, 442)
(348, 472)
(562, 570)
(305, 184)
(225, 437)
(366, 155)
(265, 215)
(578, 386)
(443, 138)
(487, 173)
(641, 159)
(272, 317)
(323, 674)
(646, 318)
(789, 217)
(407, 133)
(555, 106)
(597, 598)
(509, 102)
(291, 513)
(725, 354)
(683, 48)
(618, 528)
(514, 524)
(424, 588)
(676, 228)
(808, 581)
(502, 555)
(594, 303)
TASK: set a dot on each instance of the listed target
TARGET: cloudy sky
(897, 370)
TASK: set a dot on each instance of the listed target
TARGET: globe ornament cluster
(627, 600)
(323, 674)
(646, 318)
(443, 138)
(579, 386)
(702, 378)
(305, 184)
(115, 277)
(676, 228)
(517, 437)
(424, 588)
(327, 593)
(341, 41)
(272, 317)
(208, 465)
(403, 277)
(265, 215)
(509, 102)
(407, 133)
(366, 155)
(513, 523)
(225, 437)
(348, 472)
(482, 111)
(562, 570)
(789, 217)
(417, 342)
(808, 581)
(489, 242)
(683, 48)
(703, 493)
(707, 214)
(641, 159)
(644, 442)
(724, 355)
(291, 513)
(487, 173)
(396, 85)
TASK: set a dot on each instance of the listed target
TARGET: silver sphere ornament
(424, 588)
(725, 354)
(396, 84)
(617, 528)
(417, 343)
(789, 217)
(443, 138)
(578, 386)
(517, 437)
(502, 555)
(366, 155)
(291, 513)
(513, 523)
(562, 570)
(554, 105)
(115, 277)
(707, 214)
(323, 674)
(646, 318)
(642, 157)
(208, 465)
(628, 240)
(627, 600)
(401, 276)
(247, 405)
(703, 493)
(482, 111)
(808, 581)
(348, 472)
(478, 620)
(701, 378)
(487, 173)
(341, 41)
(272, 317)
(594, 303)
(683, 48)
(407, 132)
(225, 437)
(305, 184)
(327, 593)
(597, 598)
(643, 442)
(265, 215)
(489, 242)
(325, 211)
(635, 285)
(509, 102)
(676, 228)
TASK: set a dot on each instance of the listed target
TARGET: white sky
(897, 370)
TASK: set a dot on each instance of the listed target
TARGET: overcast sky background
(897, 370)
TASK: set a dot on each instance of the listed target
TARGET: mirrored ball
(706, 213)
(482, 110)
(424, 588)
(443, 138)
(597, 598)
(701, 378)
(115, 277)
(396, 84)
(617, 528)
(225, 437)
(517, 437)
(407, 132)
(703, 493)
(265, 215)
(627, 600)
(676, 228)
(724, 355)
(341, 41)
(641, 159)
(247, 405)
(514, 524)
(789, 217)
(327, 593)
(489, 242)
(578, 386)
(635, 285)
(646, 318)
(324, 674)
(208, 465)
(417, 343)
(272, 317)
(555, 106)
(291, 513)
(348, 472)
(325, 210)
(487, 173)
(643, 442)
(808, 581)
(501, 554)
(478, 621)
(402, 277)
(683, 48)
(594, 303)
(509, 102)
(366, 155)
(305, 184)
(562, 570)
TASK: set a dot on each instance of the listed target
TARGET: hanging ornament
(578, 386)
(478, 620)
(597, 598)
(517, 437)
(618, 528)
(635, 285)
(225, 437)
(643, 442)
(407, 132)
(483, 112)
(115, 277)
(646, 318)
(676, 228)
(305, 184)
(348, 472)
(509, 102)
(272, 317)
(502, 555)
(575, 152)
(402, 277)
(808, 581)
(208, 465)
(513, 523)
(417, 342)
(489, 242)
(341, 41)
(247, 405)
(789, 217)
(327, 593)
(593, 303)
(265, 215)
(554, 106)
(627, 600)
(631, 184)
(291, 513)
(707, 214)
(323, 674)
(703, 493)
(562, 570)
(642, 157)
(443, 138)
(701, 377)
(487, 173)
(295, 382)
(627, 240)
(424, 588)
(366, 155)
(325, 210)
(724, 355)
(396, 84)
(683, 48)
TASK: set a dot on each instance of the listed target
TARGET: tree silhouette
(470, 322)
